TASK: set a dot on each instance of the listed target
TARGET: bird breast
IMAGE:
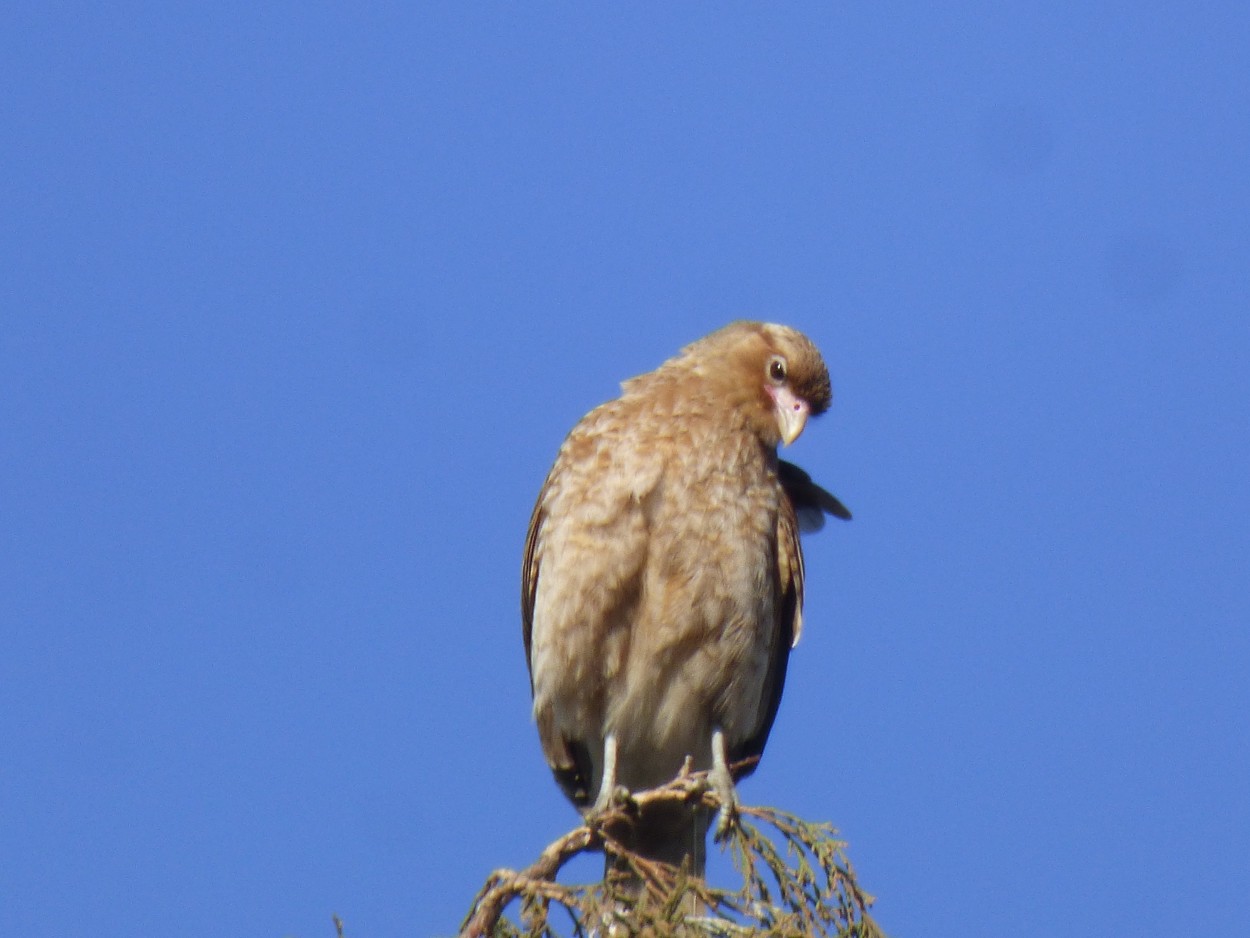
(656, 613)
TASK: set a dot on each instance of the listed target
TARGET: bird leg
(608, 785)
(723, 785)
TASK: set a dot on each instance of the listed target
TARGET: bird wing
(570, 761)
(811, 502)
(789, 561)
(587, 542)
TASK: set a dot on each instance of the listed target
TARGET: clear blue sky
(298, 301)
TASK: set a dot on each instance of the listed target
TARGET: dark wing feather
(811, 502)
(789, 625)
(529, 580)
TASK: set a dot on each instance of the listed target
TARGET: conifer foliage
(795, 881)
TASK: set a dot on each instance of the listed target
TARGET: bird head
(772, 373)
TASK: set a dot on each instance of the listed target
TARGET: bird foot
(607, 788)
(726, 793)
(726, 822)
(618, 796)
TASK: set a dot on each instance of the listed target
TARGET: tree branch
(806, 887)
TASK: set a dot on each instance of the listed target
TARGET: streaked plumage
(662, 586)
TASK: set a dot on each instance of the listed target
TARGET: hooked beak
(792, 412)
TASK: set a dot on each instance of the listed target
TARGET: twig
(815, 890)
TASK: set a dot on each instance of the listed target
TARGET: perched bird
(662, 585)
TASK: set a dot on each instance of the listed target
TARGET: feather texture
(662, 585)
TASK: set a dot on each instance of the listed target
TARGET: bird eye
(777, 369)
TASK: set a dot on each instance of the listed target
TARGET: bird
(662, 581)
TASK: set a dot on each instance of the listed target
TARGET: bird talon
(607, 802)
(726, 822)
(723, 784)
(621, 797)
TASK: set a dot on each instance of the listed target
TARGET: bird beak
(792, 412)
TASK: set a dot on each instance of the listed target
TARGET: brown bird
(662, 587)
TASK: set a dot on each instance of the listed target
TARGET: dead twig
(796, 880)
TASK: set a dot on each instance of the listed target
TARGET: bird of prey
(662, 585)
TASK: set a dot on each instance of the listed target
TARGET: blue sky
(299, 300)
